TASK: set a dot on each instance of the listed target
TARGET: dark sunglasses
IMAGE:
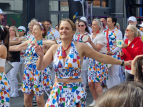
(19, 30)
(80, 25)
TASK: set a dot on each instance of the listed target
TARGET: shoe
(10, 93)
(14, 95)
(92, 104)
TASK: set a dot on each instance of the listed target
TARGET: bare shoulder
(2, 48)
(3, 51)
(54, 47)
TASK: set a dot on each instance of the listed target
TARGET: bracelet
(122, 63)
(39, 42)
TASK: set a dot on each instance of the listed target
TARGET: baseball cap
(132, 18)
(83, 18)
(141, 25)
(1, 12)
(22, 28)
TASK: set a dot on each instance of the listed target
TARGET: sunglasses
(19, 30)
(80, 25)
(128, 30)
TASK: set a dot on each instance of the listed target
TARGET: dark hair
(86, 29)
(114, 19)
(44, 29)
(47, 21)
(127, 94)
(138, 77)
(71, 23)
(4, 35)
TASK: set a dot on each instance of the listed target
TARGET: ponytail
(138, 34)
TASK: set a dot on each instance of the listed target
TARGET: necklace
(64, 51)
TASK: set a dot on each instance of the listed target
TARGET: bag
(8, 67)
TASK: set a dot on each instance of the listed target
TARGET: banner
(75, 9)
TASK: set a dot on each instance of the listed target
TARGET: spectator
(131, 48)
(128, 94)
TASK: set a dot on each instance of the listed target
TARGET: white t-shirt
(118, 34)
(101, 39)
(55, 33)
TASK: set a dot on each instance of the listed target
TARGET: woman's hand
(124, 45)
(133, 68)
(127, 63)
(89, 40)
(39, 50)
(121, 53)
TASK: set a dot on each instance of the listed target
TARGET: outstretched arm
(20, 47)
(89, 52)
(48, 43)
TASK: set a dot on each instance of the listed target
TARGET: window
(64, 6)
(54, 5)
(100, 3)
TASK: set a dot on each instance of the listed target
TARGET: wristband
(39, 42)
(122, 63)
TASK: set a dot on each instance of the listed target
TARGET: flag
(75, 9)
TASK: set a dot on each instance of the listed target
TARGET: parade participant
(83, 28)
(85, 20)
(34, 81)
(15, 61)
(127, 94)
(67, 60)
(133, 21)
(113, 34)
(4, 83)
(97, 72)
(31, 24)
(22, 35)
(51, 31)
(131, 48)
(103, 20)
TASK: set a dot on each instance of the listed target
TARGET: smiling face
(65, 30)
(37, 31)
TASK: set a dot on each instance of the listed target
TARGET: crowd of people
(60, 60)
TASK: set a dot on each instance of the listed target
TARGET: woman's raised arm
(20, 47)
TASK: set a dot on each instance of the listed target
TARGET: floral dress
(33, 79)
(67, 94)
(4, 90)
(97, 71)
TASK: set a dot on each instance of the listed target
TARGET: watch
(122, 63)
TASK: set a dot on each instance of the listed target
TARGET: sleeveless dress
(67, 94)
(97, 71)
(35, 80)
(4, 89)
